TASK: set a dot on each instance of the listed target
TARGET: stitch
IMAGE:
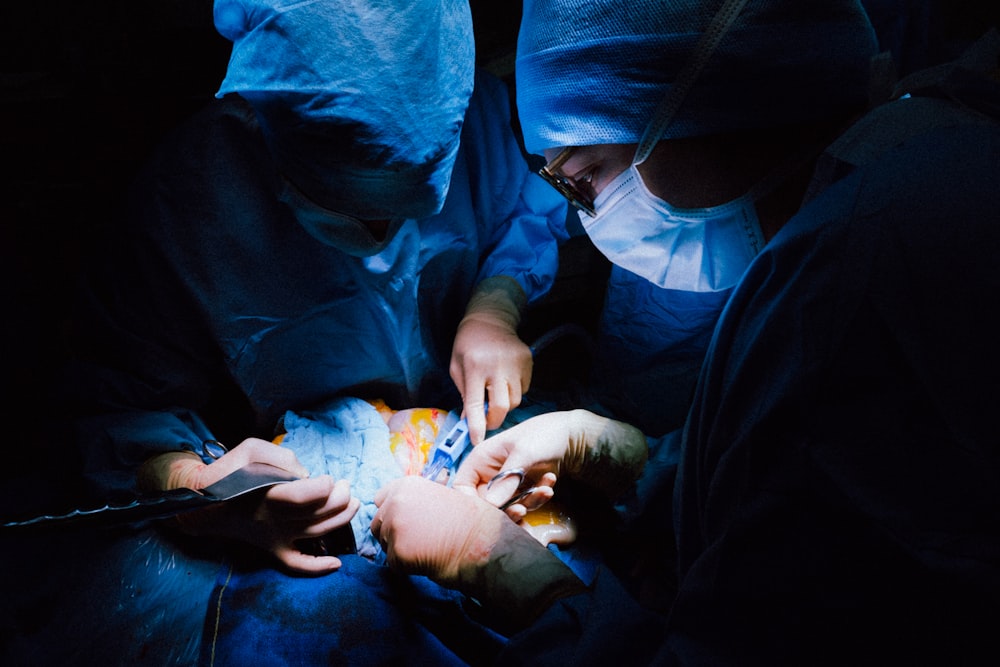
(218, 615)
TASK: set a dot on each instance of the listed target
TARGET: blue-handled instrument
(448, 451)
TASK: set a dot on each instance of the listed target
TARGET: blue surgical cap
(361, 103)
(594, 73)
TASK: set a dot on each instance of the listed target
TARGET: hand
(462, 542)
(488, 360)
(275, 520)
(428, 529)
(536, 446)
(605, 453)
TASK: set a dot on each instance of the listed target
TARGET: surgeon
(836, 499)
(352, 217)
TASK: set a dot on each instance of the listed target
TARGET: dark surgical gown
(838, 492)
(838, 500)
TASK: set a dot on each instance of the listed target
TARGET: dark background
(88, 88)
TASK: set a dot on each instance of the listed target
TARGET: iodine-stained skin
(551, 524)
(412, 433)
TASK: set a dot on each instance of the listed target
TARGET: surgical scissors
(523, 490)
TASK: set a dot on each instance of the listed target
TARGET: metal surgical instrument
(522, 491)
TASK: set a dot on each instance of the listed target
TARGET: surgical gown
(837, 499)
(650, 345)
(214, 312)
(210, 313)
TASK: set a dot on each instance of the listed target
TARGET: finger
(516, 390)
(499, 394)
(297, 562)
(255, 450)
(339, 501)
(480, 466)
(539, 496)
(331, 523)
(283, 458)
(310, 493)
(548, 479)
(503, 488)
(474, 409)
(516, 512)
(457, 373)
(376, 524)
(526, 371)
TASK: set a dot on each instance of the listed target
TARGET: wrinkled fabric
(629, 56)
(124, 596)
(214, 312)
(576, 631)
(349, 440)
(836, 500)
(851, 487)
(210, 313)
(652, 342)
(364, 107)
(362, 614)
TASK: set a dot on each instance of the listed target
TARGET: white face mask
(694, 250)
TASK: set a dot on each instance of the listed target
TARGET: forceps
(523, 490)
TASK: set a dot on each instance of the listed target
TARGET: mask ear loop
(665, 111)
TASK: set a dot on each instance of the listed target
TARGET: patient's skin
(412, 433)
(550, 524)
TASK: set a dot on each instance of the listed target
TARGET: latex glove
(606, 454)
(274, 521)
(462, 542)
(488, 359)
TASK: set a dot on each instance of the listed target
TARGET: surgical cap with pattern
(593, 73)
(361, 102)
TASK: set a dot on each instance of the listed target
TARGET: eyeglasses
(579, 193)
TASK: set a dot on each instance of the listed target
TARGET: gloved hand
(606, 454)
(274, 521)
(462, 542)
(488, 359)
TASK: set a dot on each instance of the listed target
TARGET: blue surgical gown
(213, 312)
(650, 345)
(210, 313)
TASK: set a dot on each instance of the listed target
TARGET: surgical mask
(341, 231)
(694, 250)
